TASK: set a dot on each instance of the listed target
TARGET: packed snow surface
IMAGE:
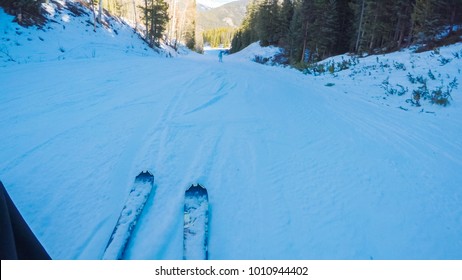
(294, 169)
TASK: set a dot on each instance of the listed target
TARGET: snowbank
(255, 52)
(421, 82)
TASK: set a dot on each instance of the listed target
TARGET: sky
(213, 3)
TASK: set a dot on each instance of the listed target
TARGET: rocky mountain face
(228, 15)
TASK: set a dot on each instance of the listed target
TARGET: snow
(394, 72)
(213, 3)
(294, 169)
(254, 50)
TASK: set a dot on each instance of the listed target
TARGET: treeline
(311, 30)
(27, 12)
(218, 36)
(173, 21)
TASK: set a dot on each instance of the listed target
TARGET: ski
(129, 216)
(196, 218)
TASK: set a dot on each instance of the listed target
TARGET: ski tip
(196, 190)
(145, 176)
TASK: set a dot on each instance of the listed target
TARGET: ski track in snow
(294, 170)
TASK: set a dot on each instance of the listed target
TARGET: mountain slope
(69, 35)
(227, 15)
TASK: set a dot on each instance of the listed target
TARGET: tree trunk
(146, 20)
(453, 18)
(136, 18)
(100, 15)
(411, 30)
(153, 25)
(374, 29)
(305, 35)
(171, 33)
(358, 38)
(94, 15)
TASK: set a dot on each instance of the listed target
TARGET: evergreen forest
(312, 30)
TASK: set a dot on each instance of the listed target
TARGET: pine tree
(267, 22)
(219, 36)
(344, 27)
(159, 20)
(247, 33)
(359, 8)
(307, 13)
(452, 14)
(295, 34)
(286, 15)
(372, 24)
(156, 18)
(326, 26)
(402, 27)
(426, 19)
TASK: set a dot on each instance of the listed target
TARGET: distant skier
(220, 56)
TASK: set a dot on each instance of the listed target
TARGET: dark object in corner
(17, 241)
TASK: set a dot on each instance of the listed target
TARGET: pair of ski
(195, 230)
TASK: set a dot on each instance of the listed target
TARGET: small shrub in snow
(421, 80)
(331, 68)
(440, 97)
(399, 66)
(345, 64)
(278, 59)
(416, 95)
(401, 90)
(260, 59)
(320, 68)
(454, 84)
(315, 69)
(431, 75)
(384, 65)
(411, 78)
(436, 51)
(443, 61)
(386, 84)
(398, 90)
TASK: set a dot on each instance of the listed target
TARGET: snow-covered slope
(255, 51)
(68, 35)
(397, 79)
(294, 169)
